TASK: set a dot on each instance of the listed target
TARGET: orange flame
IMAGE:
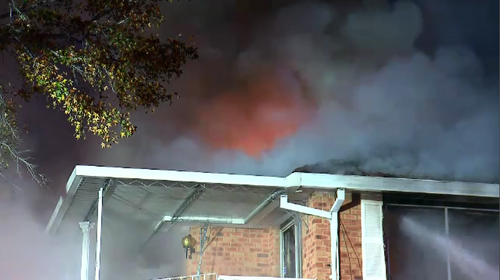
(254, 120)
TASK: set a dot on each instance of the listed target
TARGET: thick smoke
(288, 85)
(282, 84)
(27, 252)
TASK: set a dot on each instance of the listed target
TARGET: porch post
(86, 227)
(99, 236)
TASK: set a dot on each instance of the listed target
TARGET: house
(305, 225)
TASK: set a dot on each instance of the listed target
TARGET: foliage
(95, 60)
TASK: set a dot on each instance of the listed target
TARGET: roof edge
(296, 180)
(174, 175)
(314, 181)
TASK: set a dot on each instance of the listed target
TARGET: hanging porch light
(188, 243)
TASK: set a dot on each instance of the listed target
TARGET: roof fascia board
(291, 182)
(64, 202)
(178, 176)
(200, 219)
(385, 184)
(299, 179)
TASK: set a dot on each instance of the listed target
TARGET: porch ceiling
(162, 196)
(151, 201)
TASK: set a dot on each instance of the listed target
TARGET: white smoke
(27, 252)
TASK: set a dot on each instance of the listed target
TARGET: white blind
(373, 240)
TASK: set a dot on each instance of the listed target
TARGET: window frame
(445, 209)
(297, 225)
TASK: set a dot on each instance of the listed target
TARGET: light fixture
(188, 243)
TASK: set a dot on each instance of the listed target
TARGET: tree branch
(9, 146)
(24, 9)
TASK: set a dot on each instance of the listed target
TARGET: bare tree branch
(10, 142)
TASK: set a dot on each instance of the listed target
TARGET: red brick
(250, 252)
(317, 241)
(255, 252)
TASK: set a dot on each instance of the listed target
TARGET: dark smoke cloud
(408, 89)
(309, 81)
(305, 83)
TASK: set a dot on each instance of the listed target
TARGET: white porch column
(99, 236)
(86, 227)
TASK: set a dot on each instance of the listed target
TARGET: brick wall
(317, 244)
(238, 252)
(255, 252)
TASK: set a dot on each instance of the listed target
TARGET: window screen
(474, 253)
(441, 243)
(289, 253)
(291, 264)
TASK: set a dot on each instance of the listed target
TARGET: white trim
(334, 233)
(64, 201)
(375, 242)
(423, 206)
(298, 246)
(303, 209)
(295, 180)
(176, 176)
(54, 216)
(331, 216)
(86, 227)
(97, 274)
(226, 277)
(211, 276)
(388, 184)
(212, 220)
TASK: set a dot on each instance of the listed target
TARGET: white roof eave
(293, 181)
(176, 176)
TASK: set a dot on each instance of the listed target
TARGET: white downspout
(331, 215)
(334, 232)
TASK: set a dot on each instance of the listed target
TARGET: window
(441, 243)
(290, 249)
